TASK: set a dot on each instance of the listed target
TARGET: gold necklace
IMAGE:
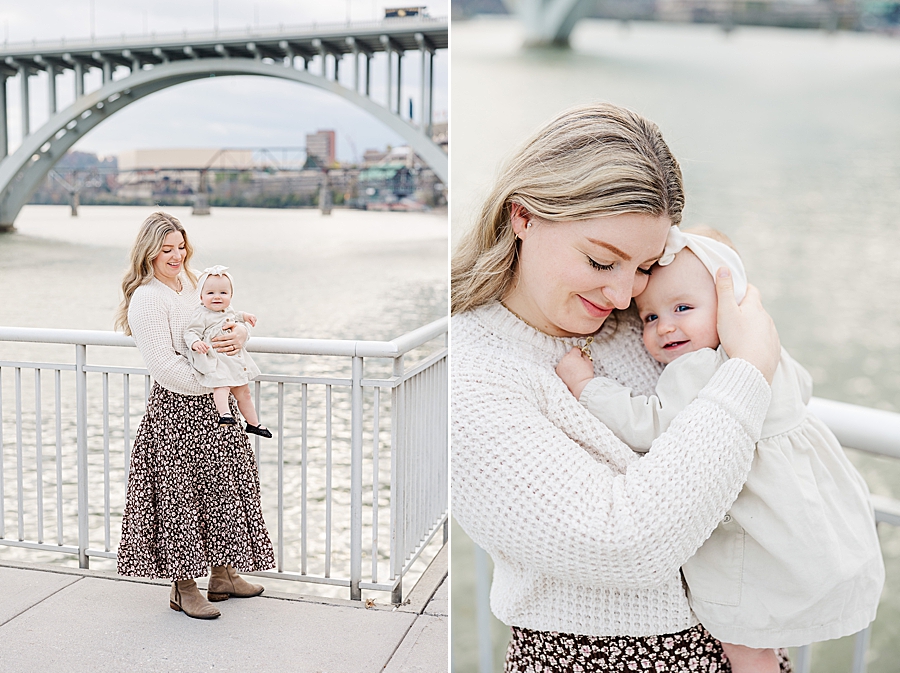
(585, 349)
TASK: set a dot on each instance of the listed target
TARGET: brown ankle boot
(224, 582)
(186, 597)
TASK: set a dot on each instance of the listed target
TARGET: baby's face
(216, 293)
(678, 309)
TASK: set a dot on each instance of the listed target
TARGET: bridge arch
(22, 171)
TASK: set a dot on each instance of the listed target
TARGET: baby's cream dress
(796, 560)
(214, 369)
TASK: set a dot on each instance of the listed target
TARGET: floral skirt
(550, 652)
(193, 493)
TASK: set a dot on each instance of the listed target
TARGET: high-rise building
(321, 146)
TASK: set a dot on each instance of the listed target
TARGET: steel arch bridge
(153, 65)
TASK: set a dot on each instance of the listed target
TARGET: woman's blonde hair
(591, 160)
(146, 248)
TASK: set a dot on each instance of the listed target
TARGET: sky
(252, 112)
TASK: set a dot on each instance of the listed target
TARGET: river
(349, 275)
(789, 142)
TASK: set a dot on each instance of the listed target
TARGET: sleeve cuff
(742, 390)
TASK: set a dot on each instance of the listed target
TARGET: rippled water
(789, 142)
(352, 275)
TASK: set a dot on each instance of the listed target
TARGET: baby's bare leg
(245, 403)
(750, 659)
(220, 397)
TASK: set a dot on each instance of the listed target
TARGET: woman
(193, 488)
(587, 538)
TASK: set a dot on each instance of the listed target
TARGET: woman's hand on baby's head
(746, 330)
(575, 370)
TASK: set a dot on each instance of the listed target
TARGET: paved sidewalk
(60, 619)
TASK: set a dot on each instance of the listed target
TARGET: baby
(796, 560)
(223, 373)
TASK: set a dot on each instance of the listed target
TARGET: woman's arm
(578, 505)
(639, 419)
(149, 321)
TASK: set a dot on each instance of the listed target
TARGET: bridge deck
(60, 619)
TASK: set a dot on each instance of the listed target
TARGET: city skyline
(225, 111)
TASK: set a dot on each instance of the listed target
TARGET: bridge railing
(354, 482)
(868, 430)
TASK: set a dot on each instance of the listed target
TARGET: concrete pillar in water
(325, 195)
(201, 198)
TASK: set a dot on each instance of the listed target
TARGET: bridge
(133, 68)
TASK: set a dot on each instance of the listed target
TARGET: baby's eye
(650, 317)
(681, 308)
(646, 272)
(600, 267)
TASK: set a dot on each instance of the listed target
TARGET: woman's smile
(593, 309)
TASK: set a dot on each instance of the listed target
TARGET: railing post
(398, 513)
(81, 444)
(483, 612)
(860, 647)
(356, 423)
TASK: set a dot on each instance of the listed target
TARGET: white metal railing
(869, 430)
(360, 451)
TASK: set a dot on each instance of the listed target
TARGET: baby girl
(225, 374)
(796, 560)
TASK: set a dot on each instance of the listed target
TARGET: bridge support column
(79, 80)
(23, 88)
(4, 128)
(51, 89)
(399, 84)
(368, 71)
(427, 82)
(386, 41)
(430, 127)
(549, 22)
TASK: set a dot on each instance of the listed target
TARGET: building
(321, 146)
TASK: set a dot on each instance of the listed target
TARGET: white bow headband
(711, 252)
(217, 270)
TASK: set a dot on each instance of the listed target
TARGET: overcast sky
(220, 112)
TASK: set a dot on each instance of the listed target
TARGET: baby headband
(217, 270)
(711, 252)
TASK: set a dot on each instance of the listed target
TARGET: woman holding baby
(193, 499)
(587, 535)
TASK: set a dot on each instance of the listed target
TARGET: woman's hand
(233, 339)
(746, 331)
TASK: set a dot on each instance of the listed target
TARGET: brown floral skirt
(193, 493)
(550, 652)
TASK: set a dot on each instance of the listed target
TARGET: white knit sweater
(586, 536)
(158, 317)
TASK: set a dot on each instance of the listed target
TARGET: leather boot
(186, 597)
(224, 582)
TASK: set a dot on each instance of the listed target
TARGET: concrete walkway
(60, 619)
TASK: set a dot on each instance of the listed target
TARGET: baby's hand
(200, 347)
(250, 318)
(575, 370)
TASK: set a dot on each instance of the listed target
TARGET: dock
(55, 619)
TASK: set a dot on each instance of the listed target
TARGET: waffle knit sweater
(158, 317)
(587, 537)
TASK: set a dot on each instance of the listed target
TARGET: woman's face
(572, 275)
(167, 264)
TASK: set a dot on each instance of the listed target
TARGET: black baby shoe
(260, 430)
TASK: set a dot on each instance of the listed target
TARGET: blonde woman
(193, 489)
(587, 538)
